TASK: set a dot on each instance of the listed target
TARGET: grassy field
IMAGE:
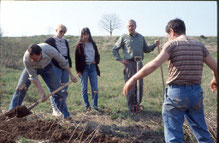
(110, 83)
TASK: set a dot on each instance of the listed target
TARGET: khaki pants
(129, 70)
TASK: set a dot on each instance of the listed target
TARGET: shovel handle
(33, 105)
(54, 92)
(58, 89)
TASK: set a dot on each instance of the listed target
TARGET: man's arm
(213, 66)
(73, 78)
(116, 48)
(146, 70)
(33, 76)
(40, 89)
(119, 45)
(150, 48)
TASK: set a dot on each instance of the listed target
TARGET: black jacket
(80, 61)
(51, 41)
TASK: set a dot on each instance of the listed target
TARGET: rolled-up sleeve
(147, 48)
(116, 48)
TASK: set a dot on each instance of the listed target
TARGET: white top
(89, 52)
(61, 46)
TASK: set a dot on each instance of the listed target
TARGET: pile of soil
(11, 129)
(19, 111)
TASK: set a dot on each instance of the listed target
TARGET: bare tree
(110, 22)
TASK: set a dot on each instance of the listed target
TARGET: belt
(131, 60)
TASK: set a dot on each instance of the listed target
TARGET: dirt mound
(19, 111)
(49, 131)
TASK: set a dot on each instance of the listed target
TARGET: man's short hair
(34, 49)
(177, 25)
(131, 20)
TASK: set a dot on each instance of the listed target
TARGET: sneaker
(56, 112)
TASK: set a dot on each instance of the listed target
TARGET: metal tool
(52, 93)
(138, 107)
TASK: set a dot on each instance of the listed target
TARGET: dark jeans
(63, 77)
(129, 70)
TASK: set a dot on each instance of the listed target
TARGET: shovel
(21, 111)
(52, 93)
(138, 107)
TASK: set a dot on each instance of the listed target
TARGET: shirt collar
(182, 37)
(136, 34)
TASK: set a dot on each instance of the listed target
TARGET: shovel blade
(19, 111)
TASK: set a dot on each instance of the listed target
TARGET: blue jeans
(63, 77)
(89, 71)
(184, 101)
(49, 76)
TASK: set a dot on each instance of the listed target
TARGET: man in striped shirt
(184, 95)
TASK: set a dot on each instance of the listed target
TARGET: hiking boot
(56, 112)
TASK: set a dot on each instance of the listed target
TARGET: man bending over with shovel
(37, 61)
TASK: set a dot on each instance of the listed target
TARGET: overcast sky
(27, 18)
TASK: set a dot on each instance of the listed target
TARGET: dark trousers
(129, 70)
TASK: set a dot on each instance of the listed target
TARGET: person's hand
(157, 43)
(128, 85)
(124, 62)
(43, 98)
(79, 75)
(213, 85)
(73, 79)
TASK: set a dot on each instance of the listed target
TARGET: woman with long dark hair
(87, 59)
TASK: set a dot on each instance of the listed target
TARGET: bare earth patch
(84, 127)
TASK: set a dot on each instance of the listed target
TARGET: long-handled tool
(138, 107)
(52, 93)
(21, 111)
(161, 68)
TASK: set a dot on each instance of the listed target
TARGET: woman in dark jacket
(87, 59)
(62, 46)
